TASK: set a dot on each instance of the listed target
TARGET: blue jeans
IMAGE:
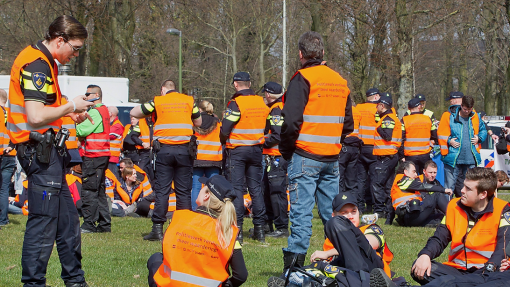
(198, 172)
(13, 209)
(453, 174)
(8, 165)
(310, 182)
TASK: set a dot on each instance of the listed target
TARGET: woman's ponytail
(225, 220)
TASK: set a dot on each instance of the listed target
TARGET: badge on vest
(507, 216)
(39, 79)
(227, 113)
(377, 230)
(275, 119)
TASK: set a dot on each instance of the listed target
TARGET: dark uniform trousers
(429, 204)
(419, 161)
(244, 165)
(366, 176)
(384, 170)
(144, 162)
(133, 155)
(52, 217)
(354, 251)
(348, 169)
(438, 270)
(275, 192)
(173, 163)
(478, 279)
(93, 196)
(114, 168)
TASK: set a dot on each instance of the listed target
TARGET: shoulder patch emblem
(276, 119)
(377, 230)
(39, 79)
(227, 113)
(507, 216)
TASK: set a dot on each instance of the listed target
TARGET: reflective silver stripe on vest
(368, 128)
(68, 126)
(323, 119)
(404, 199)
(247, 131)
(174, 138)
(444, 147)
(98, 140)
(171, 203)
(416, 147)
(319, 139)
(245, 142)
(203, 151)
(97, 150)
(463, 264)
(392, 139)
(192, 279)
(418, 140)
(442, 137)
(26, 127)
(209, 143)
(355, 131)
(172, 126)
(71, 139)
(455, 250)
(115, 149)
(385, 147)
(16, 108)
(362, 136)
(147, 192)
(486, 254)
(117, 135)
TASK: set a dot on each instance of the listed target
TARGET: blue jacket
(456, 132)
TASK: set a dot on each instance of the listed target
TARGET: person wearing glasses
(35, 112)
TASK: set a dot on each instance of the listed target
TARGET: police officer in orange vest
(414, 199)
(367, 159)
(275, 170)
(34, 111)
(318, 114)
(96, 142)
(200, 247)
(242, 131)
(174, 116)
(423, 101)
(417, 132)
(387, 141)
(8, 162)
(116, 132)
(348, 161)
(476, 224)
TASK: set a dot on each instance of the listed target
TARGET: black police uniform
(145, 155)
(348, 167)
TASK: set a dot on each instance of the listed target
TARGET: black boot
(258, 233)
(389, 217)
(240, 235)
(156, 233)
(288, 257)
(84, 284)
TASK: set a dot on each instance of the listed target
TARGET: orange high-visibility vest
(399, 197)
(209, 146)
(18, 127)
(4, 139)
(444, 132)
(356, 116)
(98, 144)
(127, 130)
(387, 255)
(382, 147)
(72, 141)
(192, 254)
(116, 144)
(274, 151)
(145, 132)
(472, 247)
(323, 117)
(173, 124)
(417, 140)
(249, 130)
(367, 123)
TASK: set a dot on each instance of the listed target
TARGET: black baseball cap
(371, 92)
(455, 95)
(272, 88)
(421, 97)
(241, 76)
(219, 186)
(342, 199)
(413, 103)
(386, 99)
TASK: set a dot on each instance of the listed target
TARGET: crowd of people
(286, 152)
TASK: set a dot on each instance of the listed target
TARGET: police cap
(386, 99)
(241, 77)
(371, 92)
(421, 97)
(342, 199)
(455, 95)
(219, 186)
(413, 103)
(272, 88)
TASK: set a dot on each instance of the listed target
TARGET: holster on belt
(156, 146)
(193, 147)
(44, 144)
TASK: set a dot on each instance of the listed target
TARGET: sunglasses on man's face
(88, 94)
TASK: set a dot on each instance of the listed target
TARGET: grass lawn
(119, 258)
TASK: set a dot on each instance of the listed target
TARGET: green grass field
(119, 258)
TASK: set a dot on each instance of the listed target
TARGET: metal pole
(180, 62)
(284, 70)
